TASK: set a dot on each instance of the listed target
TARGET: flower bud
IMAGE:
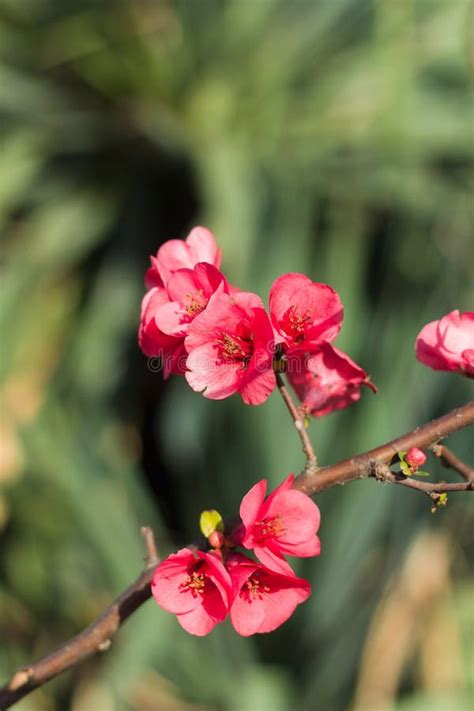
(216, 539)
(415, 458)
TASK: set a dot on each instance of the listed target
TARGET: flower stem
(311, 459)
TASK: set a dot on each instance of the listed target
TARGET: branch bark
(364, 465)
(311, 459)
(97, 637)
(451, 461)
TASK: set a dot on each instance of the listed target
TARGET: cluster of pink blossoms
(202, 588)
(224, 342)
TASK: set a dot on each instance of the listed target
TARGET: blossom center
(270, 527)
(295, 323)
(195, 584)
(195, 303)
(236, 348)
(254, 588)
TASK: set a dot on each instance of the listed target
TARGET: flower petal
(282, 294)
(203, 245)
(204, 373)
(251, 503)
(299, 515)
(197, 621)
(247, 617)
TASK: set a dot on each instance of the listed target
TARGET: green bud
(441, 500)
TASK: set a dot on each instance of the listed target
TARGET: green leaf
(405, 468)
(211, 521)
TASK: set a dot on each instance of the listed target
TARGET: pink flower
(285, 523)
(167, 313)
(415, 458)
(153, 341)
(448, 344)
(230, 347)
(195, 587)
(263, 598)
(304, 313)
(189, 291)
(199, 246)
(327, 380)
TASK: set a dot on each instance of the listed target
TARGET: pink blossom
(448, 344)
(285, 523)
(153, 341)
(304, 313)
(230, 348)
(415, 458)
(195, 587)
(199, 246)
(167, 313)
(189, 291)
(326, 380)
(263, 599)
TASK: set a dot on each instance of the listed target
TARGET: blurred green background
(333, 137)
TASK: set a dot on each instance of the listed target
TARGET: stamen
(234, 348)
(195, 303)
(254, 588)
(195, 584)
(270, 527)
(295, 323)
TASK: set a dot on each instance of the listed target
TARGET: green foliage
(330, 137)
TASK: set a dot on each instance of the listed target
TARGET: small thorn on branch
(152, 558)
(19, 679)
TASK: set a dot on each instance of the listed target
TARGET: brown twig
(451, 461)
(364, 465)
(435, 487)
(383, 473)
(97, 637)
(298, 419)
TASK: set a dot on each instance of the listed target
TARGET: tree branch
(364, 465)
(311, 459)
(436, 487)
(451, 461)
(97, 637)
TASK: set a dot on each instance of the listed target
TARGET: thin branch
(451, 461)
(97, 637)
(298, 419)
(435, 487)
(383, 473)
(364, 465)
